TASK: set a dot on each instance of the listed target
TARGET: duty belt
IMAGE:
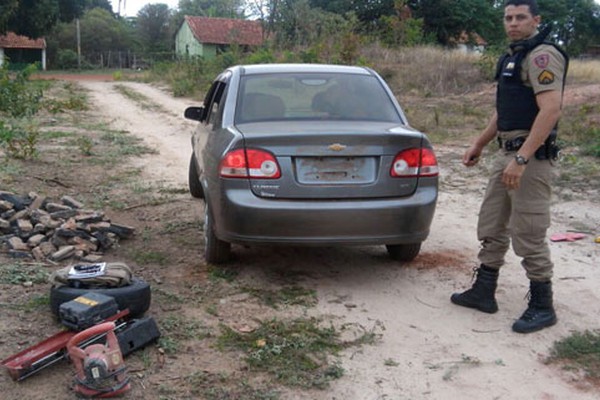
(512, 144)
(547, 151)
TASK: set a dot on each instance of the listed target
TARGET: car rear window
(280, 97)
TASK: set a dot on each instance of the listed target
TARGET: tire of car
(216, 251)
(194, 184)
(403, 252)
(136, 296)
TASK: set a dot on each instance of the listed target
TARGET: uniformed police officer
(516, 206)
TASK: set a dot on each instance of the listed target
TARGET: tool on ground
(48, 352)
(87, 310)
(100, 368)
(132, 334)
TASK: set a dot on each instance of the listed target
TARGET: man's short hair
(533, 7)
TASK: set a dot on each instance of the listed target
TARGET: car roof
(300, 68)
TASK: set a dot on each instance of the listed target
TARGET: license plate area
(335, 170)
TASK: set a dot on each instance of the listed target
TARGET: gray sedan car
(309, 154)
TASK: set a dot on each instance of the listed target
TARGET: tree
(35, 18)
(296, 23)
(152, 28)
(101, 33)
(576, 23)
(401, 29)
(212, 8)
(447, 20)
(367, 11)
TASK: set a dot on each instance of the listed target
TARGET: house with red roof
(207, 37)
(20, 50)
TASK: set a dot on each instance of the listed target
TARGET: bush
(17, 98)
(19, 139)
(66, 59)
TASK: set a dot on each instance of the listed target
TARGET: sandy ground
(429, 348)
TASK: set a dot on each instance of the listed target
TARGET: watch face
(520, 160)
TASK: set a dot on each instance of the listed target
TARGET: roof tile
(13, 41)
(225, 30)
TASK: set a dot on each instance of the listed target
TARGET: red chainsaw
(100, 369)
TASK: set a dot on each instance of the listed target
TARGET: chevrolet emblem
(337, 147)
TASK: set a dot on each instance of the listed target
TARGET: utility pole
(78, 44)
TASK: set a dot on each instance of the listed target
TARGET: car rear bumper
(242, 217)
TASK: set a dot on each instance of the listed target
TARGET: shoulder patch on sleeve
(542, 60)
(545, 77)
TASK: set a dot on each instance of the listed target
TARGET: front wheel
(403, 252)
(216, 251)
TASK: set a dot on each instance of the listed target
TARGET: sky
(133, 6)
(130, 8)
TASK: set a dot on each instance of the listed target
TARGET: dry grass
(434, 72)
(428, 71)
(584, 71)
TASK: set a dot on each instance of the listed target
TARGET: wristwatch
(521, 160)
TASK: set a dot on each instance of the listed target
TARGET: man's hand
(511, 176)
(471, 156)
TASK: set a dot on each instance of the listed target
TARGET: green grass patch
(143, 101)
(145, 256)
(176, 328)
(181, 327)
(123, 144)
(286, 296)
(591, 146)
(221, 273)
(49, 135)
(580, 351)
(167, 297)
(295, 353)
(179, 226)
(37, 302)
(9, 170)
(19, 138)
(20, 273)
(74, 102)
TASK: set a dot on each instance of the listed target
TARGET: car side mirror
(194, 113)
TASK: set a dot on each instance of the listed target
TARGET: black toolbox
(87, 310)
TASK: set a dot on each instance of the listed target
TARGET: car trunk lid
(332, 160)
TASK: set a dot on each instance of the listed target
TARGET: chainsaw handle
(105, 327)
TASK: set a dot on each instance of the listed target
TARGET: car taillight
(414, 163)
(250, 163)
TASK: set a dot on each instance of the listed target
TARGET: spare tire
(136, 296)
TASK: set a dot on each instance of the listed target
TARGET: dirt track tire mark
(163, 129)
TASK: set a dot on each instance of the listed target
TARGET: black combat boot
(482, 295)
(540, 311)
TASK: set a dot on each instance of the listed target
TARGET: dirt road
(429, 348)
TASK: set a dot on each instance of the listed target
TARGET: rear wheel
(194, 179)
(403, 252)
(216, 251)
